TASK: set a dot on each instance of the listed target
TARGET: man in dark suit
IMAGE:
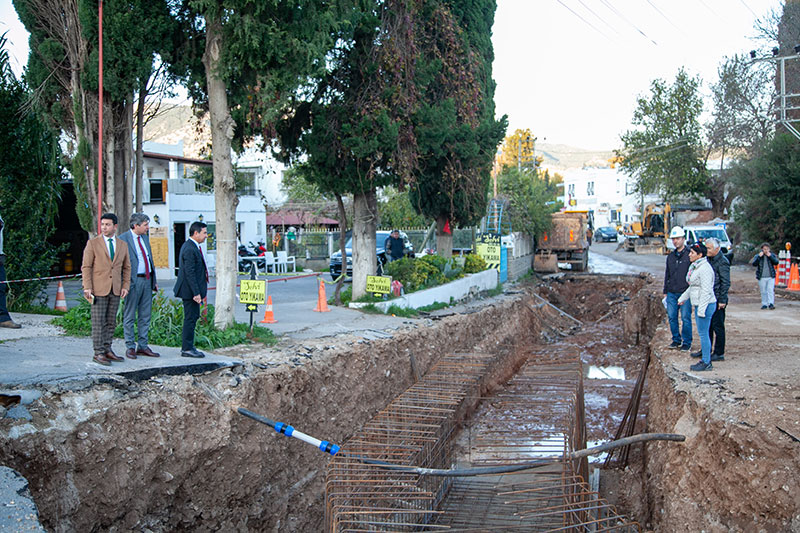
(143, 284)
(191, 285)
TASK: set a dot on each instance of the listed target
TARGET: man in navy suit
(143, 284)
(191, 285)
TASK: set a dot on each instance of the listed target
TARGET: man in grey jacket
(143, 284)
(5, 318)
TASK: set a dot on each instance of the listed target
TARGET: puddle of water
(596, 458)
(605, 372)
(595, 402)
(600, 264)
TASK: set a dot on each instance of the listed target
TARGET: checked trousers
(104, 314)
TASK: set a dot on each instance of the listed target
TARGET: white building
(172, 200)
(606, 192)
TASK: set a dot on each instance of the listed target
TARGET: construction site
(472, 418)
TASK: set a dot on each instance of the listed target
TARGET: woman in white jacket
(701, 295)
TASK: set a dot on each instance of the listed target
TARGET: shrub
(435, 260)
(474, 263)
(166, 324)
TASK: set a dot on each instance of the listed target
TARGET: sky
(571, 70)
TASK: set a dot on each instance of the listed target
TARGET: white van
(701, 233)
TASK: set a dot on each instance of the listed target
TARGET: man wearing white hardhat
(674, 285)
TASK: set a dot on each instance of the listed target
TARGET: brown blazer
(100, 275)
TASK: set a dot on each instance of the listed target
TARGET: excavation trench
(171, 453)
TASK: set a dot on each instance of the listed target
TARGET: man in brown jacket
(106, 273)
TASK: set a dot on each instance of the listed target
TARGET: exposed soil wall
(730, 475)
(170, 454)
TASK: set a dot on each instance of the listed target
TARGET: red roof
(298, 218)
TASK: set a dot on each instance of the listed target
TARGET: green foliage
(436, 260)
(166, 323)
(664, 151)
(455, 126)
(532, 199)
(405, 312)
(30, 176)
(769, 210)
(346, 296)
(204, 176)
(299, 189)
(397, 212)
(417, 274)
(473, 263)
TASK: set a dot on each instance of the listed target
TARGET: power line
(748, 8)
(590, 10)
(623, 17)
(584, 20)
(665, 16)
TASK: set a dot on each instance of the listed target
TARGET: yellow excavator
(650, 235)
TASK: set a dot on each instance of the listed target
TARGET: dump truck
(567, 241)
(650, 235)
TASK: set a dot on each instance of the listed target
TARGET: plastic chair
(283, 260)
(269, 262)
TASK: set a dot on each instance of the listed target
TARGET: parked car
(701, 233)
(380, 239)
(606, 234)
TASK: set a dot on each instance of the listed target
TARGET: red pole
(100, 119)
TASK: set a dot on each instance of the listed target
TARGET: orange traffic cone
(269, 318)
(322, 300)
(794, 279)
(61, 299)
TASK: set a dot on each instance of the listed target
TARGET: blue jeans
(703, 324)
(684, 334)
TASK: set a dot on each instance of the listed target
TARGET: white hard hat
(677, 231)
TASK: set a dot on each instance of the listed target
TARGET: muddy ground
(169, 454)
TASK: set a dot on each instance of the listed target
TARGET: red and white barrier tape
(74, 276)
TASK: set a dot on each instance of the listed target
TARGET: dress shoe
(10, 324)
(101, 360)
(148, 352)
(715, 357)
(130, 353)
(696, 354)
(193, 353)
(111, 356)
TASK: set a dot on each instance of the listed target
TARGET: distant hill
(560, 157)
(173, 124)
(178, 123)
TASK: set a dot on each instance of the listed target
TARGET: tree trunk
(225, 199)
(139, 149)
(365, 223)
(444, 241)
(128, 161)
(342, 234)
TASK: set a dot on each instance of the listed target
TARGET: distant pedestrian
(394, 246)
(765, 262)
(722, 282)
(674, 285)
(5, 318)
(106, 271)
(700, 293)
(192, 285)
(143, 284)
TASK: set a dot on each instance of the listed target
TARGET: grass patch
(435, 306)
(396, 310)
(166, 324)
(34, 309)
(346, 295)
(494, 292)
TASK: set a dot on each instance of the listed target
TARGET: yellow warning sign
(379, 284)
(488, 247)
(252, 291)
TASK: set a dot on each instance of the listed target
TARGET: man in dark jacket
(192, 285)
(765, 262)
(394, 246)
(674, 285)
(722, 282)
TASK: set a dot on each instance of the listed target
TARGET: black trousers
(191, 312)
(717, 331)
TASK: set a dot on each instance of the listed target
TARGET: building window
(590, 188)
(156, 190)
(571, 189)
(149, 172)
